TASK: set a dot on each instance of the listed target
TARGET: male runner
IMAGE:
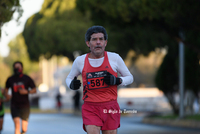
(21, 86)
(99, 70)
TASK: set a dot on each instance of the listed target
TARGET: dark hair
(95, 29)
(16, 63)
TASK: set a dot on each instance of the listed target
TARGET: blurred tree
(57, 29)
(5, 71)
(151, 18)
(7, 8)
(167, 75)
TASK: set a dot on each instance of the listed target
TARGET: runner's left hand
(110, 79)
(23, 91)
(75, 84)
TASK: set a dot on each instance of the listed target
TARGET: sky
(11, 29)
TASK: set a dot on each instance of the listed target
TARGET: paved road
(71, 124)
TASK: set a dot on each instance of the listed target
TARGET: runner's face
(18, 65)
(97, 45)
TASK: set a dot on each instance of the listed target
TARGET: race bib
(95, 80)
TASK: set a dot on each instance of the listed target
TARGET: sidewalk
(172, 122)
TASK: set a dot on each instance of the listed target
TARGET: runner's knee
(109, 132)
(92, 129)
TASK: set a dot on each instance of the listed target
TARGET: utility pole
(181, 75)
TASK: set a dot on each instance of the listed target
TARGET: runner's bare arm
(6, 95)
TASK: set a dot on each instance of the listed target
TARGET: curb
(175, 123)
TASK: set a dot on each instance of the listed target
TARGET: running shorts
(103, 114)
(23, 113)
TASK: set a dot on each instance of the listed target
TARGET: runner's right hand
(75, 84)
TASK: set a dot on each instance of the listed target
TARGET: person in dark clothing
(21, 85)
(76, 99)
(58, 99)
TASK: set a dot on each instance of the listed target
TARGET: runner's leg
(92, 129)
(24, 125)
(17, 125)
(25, 116)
